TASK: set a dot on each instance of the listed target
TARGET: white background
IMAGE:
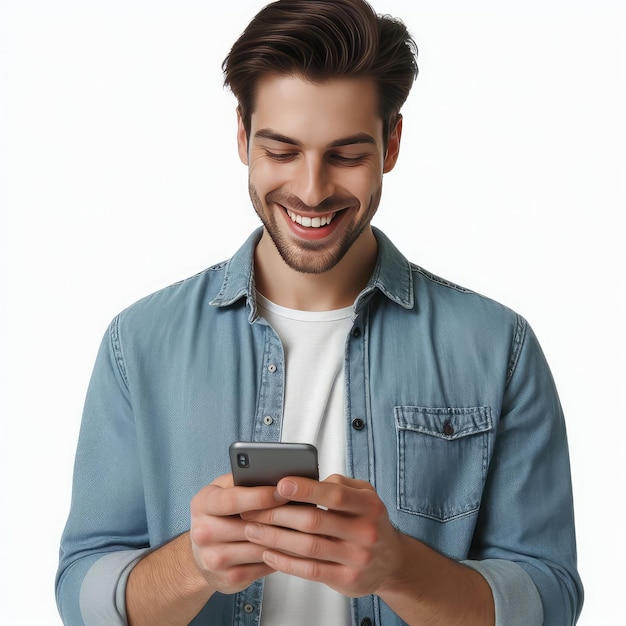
(119, 175)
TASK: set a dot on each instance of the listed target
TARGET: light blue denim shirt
(451, 413)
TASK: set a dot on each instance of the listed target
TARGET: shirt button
(356, 333)
(366, 621)
(358, 424)
(248, 608)
(268, 420)
(448, 429)
(271, 368)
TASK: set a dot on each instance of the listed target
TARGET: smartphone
(256, 464)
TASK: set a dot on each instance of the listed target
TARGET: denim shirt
(451, 413)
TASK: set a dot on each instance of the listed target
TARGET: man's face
(316, 161)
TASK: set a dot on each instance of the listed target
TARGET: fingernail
(254, 531)
(287, 488)
(280, 498)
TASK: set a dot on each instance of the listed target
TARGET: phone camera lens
(242, 460)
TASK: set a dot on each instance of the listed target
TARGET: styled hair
(321, 40)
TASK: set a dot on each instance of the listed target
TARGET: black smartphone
(256, 464)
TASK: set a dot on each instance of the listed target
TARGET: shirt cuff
(515, 595)
(103, 592)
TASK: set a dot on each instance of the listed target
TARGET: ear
(393, 147)
(242, 139)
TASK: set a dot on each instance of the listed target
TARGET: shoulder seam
(192, 277)
(116, 346)
(438, 280)
(516, 347)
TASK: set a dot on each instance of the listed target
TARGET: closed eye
(280, 157)
(347, 160)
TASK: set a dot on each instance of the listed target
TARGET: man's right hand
(170, 585)
(226, 559)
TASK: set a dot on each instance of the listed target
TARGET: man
(445, 495)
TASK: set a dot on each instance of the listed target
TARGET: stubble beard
(311, 256)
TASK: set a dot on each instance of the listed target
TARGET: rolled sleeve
(515, 595)
(103, 592)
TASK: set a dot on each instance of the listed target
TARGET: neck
(334, 289)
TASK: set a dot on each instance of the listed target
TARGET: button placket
(269, 407)
(357, 388)
(248, 604)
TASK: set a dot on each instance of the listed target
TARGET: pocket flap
(446, 422)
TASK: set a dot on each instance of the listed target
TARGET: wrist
(166, 585)
(429, 588)
(191, 578)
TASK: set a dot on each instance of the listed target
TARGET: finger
(357, 530)
(215, 499)
(210, 530)
(303, 568)
(349, 581)
(331, 494)
(332, 574)
(236, 578)
(239, 578)
(303, 545)
(222, 557)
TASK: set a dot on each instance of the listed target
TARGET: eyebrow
(359, 138)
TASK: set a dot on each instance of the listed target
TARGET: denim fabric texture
(451, 413)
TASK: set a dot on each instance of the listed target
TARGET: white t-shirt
(314, 344)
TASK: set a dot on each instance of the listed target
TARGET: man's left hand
(348, 544)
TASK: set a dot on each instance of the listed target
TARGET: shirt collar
(391, 276)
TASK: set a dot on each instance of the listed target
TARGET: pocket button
(448, 429)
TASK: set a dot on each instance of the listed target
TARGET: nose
(314, 182)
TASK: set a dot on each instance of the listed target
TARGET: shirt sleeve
(524, 544)
(515, 595)
(106, 530)
(105, 605)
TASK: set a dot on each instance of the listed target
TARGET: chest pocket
(443, 454)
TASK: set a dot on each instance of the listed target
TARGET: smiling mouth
(311, 222)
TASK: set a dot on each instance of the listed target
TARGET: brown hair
(320, 40)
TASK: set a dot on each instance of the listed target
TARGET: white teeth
(311, 222)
